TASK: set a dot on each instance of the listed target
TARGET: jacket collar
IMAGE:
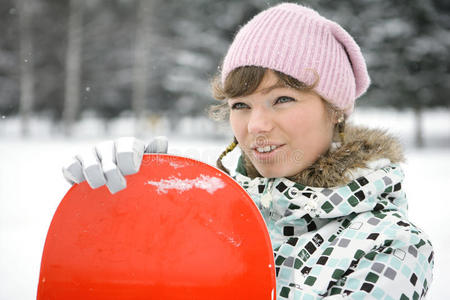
(374, 191)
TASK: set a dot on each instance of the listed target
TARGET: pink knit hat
(297, 41)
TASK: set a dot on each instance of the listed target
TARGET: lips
(266, 156)
(262, 145)
(265, 149)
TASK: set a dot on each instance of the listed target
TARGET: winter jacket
(339, 229)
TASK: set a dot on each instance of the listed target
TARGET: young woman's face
(282, 130)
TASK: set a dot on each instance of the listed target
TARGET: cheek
(299, 123)
(308, 128)
(238, 126)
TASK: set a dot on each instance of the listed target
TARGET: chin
(271, 173)
(277, 172)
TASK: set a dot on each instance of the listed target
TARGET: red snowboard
(181, 230)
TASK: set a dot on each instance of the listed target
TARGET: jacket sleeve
(395, 270)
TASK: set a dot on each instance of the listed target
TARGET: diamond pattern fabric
(353, 241)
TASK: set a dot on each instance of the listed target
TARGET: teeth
(266, 148)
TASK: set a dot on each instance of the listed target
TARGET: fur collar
(363, 151)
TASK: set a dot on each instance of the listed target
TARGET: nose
(260, 121)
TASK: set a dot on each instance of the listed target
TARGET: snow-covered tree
(73, 65)
(25, 14)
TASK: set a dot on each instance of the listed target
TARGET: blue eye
(239, 105)
(284, 99)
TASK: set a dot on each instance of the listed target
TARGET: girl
(331, 195)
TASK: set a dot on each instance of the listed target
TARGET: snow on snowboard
(181, 229)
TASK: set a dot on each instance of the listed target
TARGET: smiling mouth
(266, 149)
(266, 154)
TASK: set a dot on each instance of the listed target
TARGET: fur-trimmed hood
(363, 151)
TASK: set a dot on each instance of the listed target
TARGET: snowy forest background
(75, 72)
(151, 60)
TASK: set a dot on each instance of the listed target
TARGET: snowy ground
(31, 187)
